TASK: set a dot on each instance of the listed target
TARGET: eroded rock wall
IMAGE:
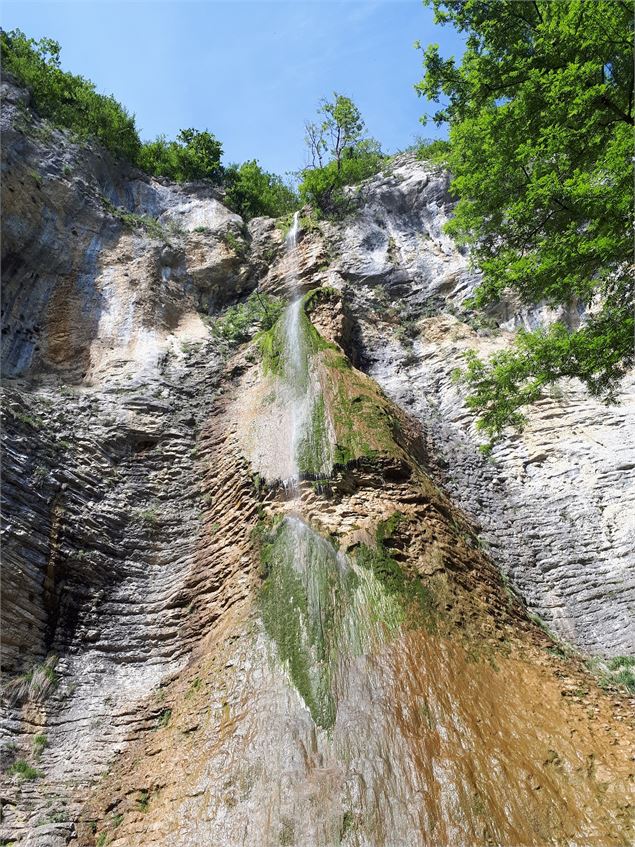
(109, 371)
(555, 504)
(144, 683)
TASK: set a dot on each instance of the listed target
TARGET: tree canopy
(194, 155)
(339, 130)
(340, 154)
(67, 99)
(540, 111)
(252, 191)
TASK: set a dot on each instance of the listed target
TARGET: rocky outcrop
(407, 668)
(102, 265)
(109, 370)
(554, 503)
(152, 687)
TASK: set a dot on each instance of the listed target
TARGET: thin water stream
(309, 449)
(303, 593)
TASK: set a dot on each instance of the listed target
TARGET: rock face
(208, 639)
(554, 504)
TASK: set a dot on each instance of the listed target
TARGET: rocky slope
(192, 657)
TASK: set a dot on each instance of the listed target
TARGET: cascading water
(292, 235)
(319, 607)
(309, 446)
(303, 598)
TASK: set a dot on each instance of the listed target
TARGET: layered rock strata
(192, 658)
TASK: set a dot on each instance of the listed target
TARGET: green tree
(340, 154)
(251, 191)
(194, 155)
(339, 130)
(540, 111)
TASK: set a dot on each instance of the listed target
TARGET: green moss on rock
(315, 447)
(301, 603)
(416, 599)
(318, 608)
(365, 426)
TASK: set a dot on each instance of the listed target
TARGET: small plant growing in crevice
(143, 801)
(34, 685)
(24, 770)
(195, 686)
(149, 517)
(26, 419)
(235, 244)
(133, 220)
(348, 822)
(617, 672)
(239, 323)
(40, 741)
(164, 718)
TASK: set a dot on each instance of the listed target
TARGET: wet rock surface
(554, 503)
(145, 683)
(452, 696)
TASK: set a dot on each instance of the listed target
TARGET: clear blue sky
(250, 72)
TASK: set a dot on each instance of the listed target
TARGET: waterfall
(319, 607)
(292, 235)
(296, 357)
(309, 445)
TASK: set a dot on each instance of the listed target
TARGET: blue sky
(250, 72)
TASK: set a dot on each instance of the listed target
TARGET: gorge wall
(194, 657)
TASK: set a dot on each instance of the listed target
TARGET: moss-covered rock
(348, 410)
(319, 607)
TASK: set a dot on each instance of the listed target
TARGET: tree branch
(628, 119)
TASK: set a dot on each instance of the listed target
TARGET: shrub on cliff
(323, 187)
(541, 121)
(251, 192)
(340, 156)
(71, 102)
(194, 155)
(68, 100)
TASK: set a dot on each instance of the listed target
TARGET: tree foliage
(340, 155)
(67, 99)
(339, 130)
(194, 155)
(251, 191)
(541, 132)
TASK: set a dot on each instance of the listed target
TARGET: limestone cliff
(194, 657)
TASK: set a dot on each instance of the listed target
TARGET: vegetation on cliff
(194, 155)
(251, 192)
(67, 99)
(340, 155)
(71, 102)
(540, 111)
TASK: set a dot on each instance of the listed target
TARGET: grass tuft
(24, 770)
